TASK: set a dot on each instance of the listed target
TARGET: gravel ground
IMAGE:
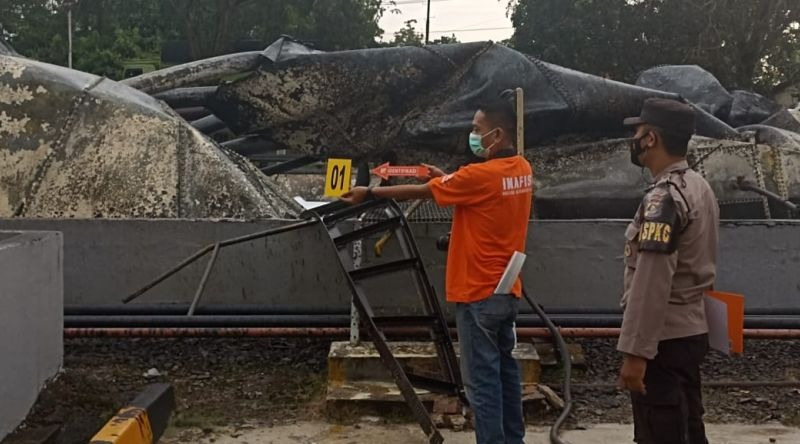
(762, 360)
(219, 382)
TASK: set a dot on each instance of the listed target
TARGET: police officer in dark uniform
(670, 261)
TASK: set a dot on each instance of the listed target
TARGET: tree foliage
(446, 39)
(108, 32)
(749, 44)
(408, 36)
(210, 26)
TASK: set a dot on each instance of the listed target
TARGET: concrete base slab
(353, 363)
(549, 355)
(371, 430)
(357, 375)
(384, 391)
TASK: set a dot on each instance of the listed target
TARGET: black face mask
(636, 150)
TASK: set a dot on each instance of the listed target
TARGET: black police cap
(670, 115)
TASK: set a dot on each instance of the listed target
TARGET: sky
(469, 20)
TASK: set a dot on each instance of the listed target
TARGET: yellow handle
(388, 235)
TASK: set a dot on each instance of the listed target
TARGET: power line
(413, 2)
(473, 29)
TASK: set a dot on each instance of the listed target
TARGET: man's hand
(355, 196)
(631, 376)
(433, 171)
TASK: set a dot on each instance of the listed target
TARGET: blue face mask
(476, 145)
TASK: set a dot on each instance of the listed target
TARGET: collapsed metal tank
(401, 104)
(74, 145)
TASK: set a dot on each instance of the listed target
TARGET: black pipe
(200, 253)
(746, 185)
(566, 361)
(209, 124)
(181, 309)
(205, 321)
(187, 97)
(202, 286)
(569, 320)
(193, 113)
(251, 144)
(248, 319)
(289, 165)
(766, 311)
(261, 309)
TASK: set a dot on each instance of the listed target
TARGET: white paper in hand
(510, 274)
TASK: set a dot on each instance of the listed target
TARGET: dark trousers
(672, 410)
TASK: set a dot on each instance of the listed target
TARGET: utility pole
(428, 24)
(69, 36)
(69, 4)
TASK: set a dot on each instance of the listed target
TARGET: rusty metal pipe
(200, 253)
(203, 281)
(336, 332)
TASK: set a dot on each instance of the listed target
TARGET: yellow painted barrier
(141, 422)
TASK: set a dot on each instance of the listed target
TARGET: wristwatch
(370, 196)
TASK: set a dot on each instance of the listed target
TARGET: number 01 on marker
(337, 177)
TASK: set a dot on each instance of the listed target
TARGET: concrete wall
(571, 263)
(107, 259)
(578, 263)
(31, 308)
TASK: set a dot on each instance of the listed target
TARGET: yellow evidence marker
(337, 177)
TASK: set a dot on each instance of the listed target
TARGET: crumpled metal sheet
(416, 104)
(692, 83)
(5, 49)
(597, 180)
(211, 71)
(76, 145)
(200, 73)
(749, 108)
(409, 100)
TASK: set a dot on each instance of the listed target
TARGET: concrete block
(447, 405)
(356, 373)
(361, 362)
(550, 357)
(143, 421)
(31, 320)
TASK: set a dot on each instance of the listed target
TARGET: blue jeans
(490, 374)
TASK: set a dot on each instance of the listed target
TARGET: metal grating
(428, 211)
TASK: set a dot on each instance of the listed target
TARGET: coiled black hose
(566, 361)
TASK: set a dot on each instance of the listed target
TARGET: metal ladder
(337, 218)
